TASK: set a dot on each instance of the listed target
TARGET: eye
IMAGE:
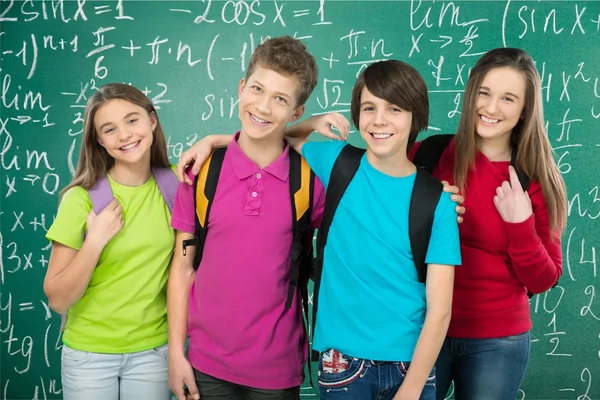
(483, 93)
(395, 109)
(508, 99)
(132, 121)
(256, 88)
(109, 130)
(368, 108)
(281, 100)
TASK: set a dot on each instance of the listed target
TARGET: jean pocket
(431, 379)
(161, 351)
(330, 375)
(74, 358)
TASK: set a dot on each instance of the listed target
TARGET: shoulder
(323, 148)
(76, 195)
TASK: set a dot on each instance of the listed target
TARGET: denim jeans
(490, 369)
(368, 380)
(97, 376)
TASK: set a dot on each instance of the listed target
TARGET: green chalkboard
(188, 57)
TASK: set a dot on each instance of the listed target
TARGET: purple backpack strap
(101, 194)
(167, 183)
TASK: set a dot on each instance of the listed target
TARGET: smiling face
(500, 103)
(384, 126)
(268, 101)
(125, 131)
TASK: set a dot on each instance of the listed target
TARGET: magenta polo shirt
(238, 327)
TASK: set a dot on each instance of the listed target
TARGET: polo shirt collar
(244, 167)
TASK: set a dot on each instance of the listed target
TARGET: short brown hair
(398, 83)
(287, 56)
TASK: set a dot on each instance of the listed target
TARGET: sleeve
(535, 254)
(183, 218)
(444, 245)
(321, 156)
(69, 225)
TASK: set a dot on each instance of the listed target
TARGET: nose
(380, 118)
(263, 105)
(125, 133)
(491, 106)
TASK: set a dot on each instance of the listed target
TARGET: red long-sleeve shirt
(500, 260)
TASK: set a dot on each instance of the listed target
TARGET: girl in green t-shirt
(108, 271)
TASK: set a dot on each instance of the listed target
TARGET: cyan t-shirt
(371, 304)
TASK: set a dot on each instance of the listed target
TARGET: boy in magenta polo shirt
(243, 342)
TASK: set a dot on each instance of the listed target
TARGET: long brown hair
(94, 161)
(528, 137)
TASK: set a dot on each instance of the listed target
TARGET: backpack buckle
(190, 242)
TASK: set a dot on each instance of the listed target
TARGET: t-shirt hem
(257, 384)
(182, 226)
(398, 357)
(124, 350)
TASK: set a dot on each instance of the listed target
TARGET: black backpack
(429, 153)
(425, 197)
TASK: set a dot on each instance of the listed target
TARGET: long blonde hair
(528, 137)
(94, 161)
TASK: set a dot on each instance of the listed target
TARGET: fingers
(186, 159)
(195, 169)
(339, 122)
(460, 210)
(192, 388)
(514, 179)
(180, 172)
(459, 219)
(457, 198)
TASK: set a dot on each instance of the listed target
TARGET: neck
(262, 152)
(397, 167)
(131, 174)
(497, 149)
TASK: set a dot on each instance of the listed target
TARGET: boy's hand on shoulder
(457, 198)
(326, 123)
(511, 201)
(197, 155)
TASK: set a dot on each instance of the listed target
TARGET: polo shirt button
(258, 176)
(254, 194)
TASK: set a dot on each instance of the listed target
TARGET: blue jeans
(490, 369)
(97, 376)
(367, 380)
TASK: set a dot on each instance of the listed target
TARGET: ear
(298, 113)
(153, 120)
(242, 86)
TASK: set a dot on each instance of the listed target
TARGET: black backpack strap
(301, 181)
(343, 172)
(205, 187)
(424, 200)
(430, 151)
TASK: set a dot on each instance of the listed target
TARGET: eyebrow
(507, 93)
(109, 123)
(277, 93)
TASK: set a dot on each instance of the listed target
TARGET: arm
(296, 135)
(535, 255)
(181, 277)
(69, 270)
(440, 284)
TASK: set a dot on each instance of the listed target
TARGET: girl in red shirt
(510, 237)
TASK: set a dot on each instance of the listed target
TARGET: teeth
(130, 146)
(489, 120)
(260, 121)
(381, 135)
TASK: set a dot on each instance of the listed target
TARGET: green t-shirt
(124, 308)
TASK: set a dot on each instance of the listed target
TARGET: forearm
(301, 130)
(219, 141)
(69, 285)
(181, 277)
(538, 265)
(426, 352)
